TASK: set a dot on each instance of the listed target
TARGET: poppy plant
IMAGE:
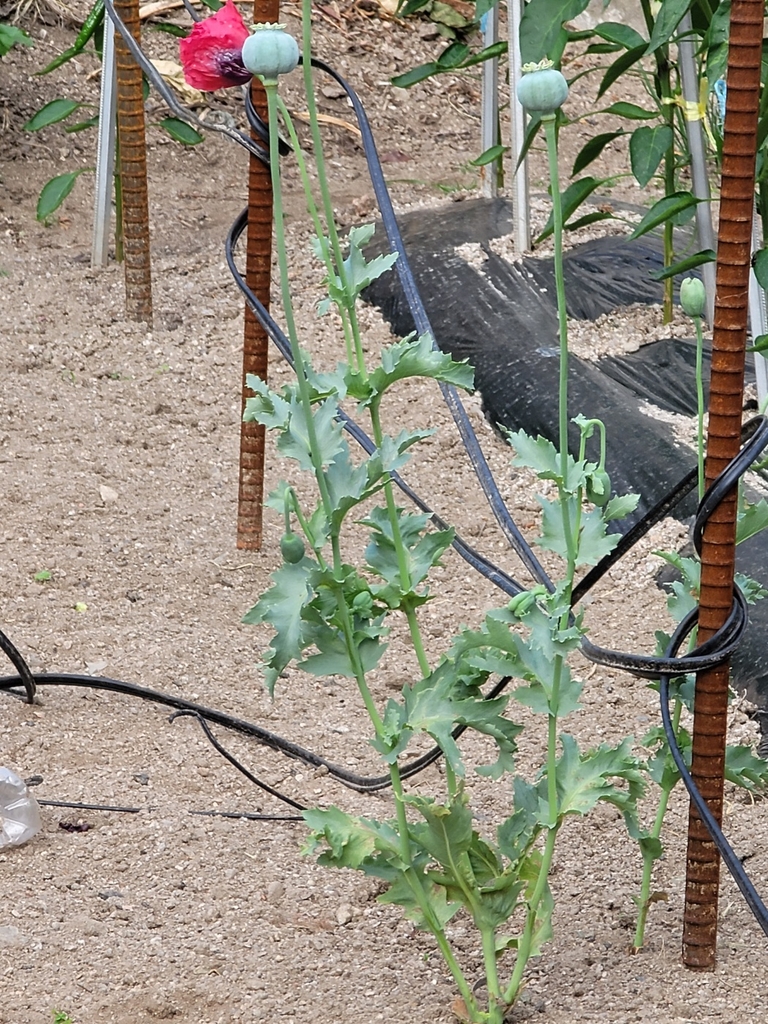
(211, 55)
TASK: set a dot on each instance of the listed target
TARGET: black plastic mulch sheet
(502, 317)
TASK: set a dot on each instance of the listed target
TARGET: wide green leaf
(618, 32)
(621, 65)
(667, 19)
(683, 266)
(592, 149)
(180, 131)
(52, 113)
(760, 267)
(631, 111)
(12, 35)
(542, 24)
(489, 155)
(665, 209)
(55, 191)
(647, 147)
(571, 200)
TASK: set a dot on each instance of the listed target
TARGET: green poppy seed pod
(693, 296)
(542, 89)
(270, 51)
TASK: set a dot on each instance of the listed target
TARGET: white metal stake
(105, 151)
(758, 319)
(699, 178)
(521, 211)
(489, 115)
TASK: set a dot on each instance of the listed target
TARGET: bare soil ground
(118, 453)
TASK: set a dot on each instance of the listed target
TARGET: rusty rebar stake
(133, 169)
(258, 275)
(723, 441)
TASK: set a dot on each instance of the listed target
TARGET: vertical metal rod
(489, 114)
(758, 315)
(105, 151)
(521, 210)
(697, 149)
(258, 274)
(133, 169)
(723, 441)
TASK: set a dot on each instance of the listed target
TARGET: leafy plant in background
(60, 110)
(331, 616)
(12, 35)
(742, 768)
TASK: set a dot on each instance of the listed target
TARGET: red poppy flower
(211, 55)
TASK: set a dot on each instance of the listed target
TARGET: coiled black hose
(715, 651)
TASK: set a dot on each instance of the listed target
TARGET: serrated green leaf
(745, 769)
(751, 519)
(584, 779)
(411, 357)
(538, 697)
(294, 441)
(268, 407)
(348, 841)
(647, 147)
(55, 191)
(423, 549)
(760, 344)
(282, 606)
(52, 113)
(433, 707)
(180, 131)
(620, 506)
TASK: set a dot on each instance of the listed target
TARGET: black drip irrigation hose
(715, 651)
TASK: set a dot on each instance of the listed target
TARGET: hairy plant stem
(566, 499)
(322, 177)
(550, 130)
(270, 87)
(417, 885)
(526, 939)
(644, 899)
(314, 214)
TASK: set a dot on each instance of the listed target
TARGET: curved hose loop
(169, 98)
(361, 783)
(756, 433)
(22, 668)
(730, 859)
(719, 647)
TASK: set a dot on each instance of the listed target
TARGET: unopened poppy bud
(693, 296)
